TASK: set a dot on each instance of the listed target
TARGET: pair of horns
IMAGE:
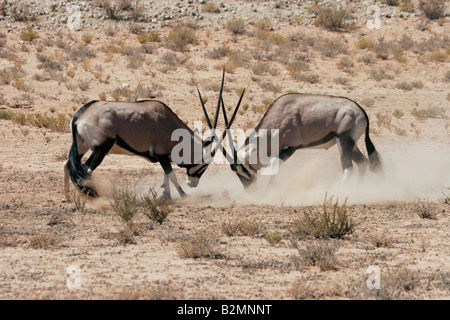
(227, 123)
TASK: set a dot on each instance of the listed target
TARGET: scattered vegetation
(331, 18)
(368, 102)
(395, 283)
(398, 113)
(58, 122)
(87, 38)
(202, 244)
(274, 238)
(409, 85)
(242, 227)
(151, 36)
(433, 9)
(236, 26)
(155, 209)
(430, 112)
(321, 253)
(382, 240)
(394, 3)
(406, 6)
(218, 52)
(29, 34)
(343, 81)
(333, 221)
(331, 47)
(426, 209)
(44, 240)
(125, 204)
(180, 37)
(380, 74)
(305, 77)
(210, 7)
(266, 102)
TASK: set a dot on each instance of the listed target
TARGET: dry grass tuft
(332, 221)
(180, 37)
(331, 18)
(433, 9)
(44, 240)
(241, 227)
(155, 209)
(396, 283)
(29, 35)
(274, 238)
(152, 36)
(426, 209)
(319, 253)
(202, 244)
(236, 26)
(125, 204)
(429, 112)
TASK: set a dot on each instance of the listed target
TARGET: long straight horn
(224, 113)
(236, 109)
(204, 109)
(220, 98)
(230, 139)
(219, 143)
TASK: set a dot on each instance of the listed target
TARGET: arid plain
(222, 242)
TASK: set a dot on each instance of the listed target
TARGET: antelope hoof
(347, 174)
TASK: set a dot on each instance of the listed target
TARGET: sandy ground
(50, 249)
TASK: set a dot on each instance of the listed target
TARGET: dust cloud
(410, 172)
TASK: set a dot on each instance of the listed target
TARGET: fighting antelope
(142, 129)
(306, 121)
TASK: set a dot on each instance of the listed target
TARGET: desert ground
(224, 242)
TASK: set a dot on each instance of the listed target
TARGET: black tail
(77, 170)
(374, 158)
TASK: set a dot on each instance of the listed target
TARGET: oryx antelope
(142, 129)
(307, 121)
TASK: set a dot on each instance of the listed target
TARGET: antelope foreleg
(168, 171)
(66, 180)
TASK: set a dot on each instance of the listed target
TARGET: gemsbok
(298, 121)
(143, 128)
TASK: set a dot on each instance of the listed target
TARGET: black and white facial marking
(194, 173)
(246, 174)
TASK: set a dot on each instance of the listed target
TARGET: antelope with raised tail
(299, 121)
(143, 129)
